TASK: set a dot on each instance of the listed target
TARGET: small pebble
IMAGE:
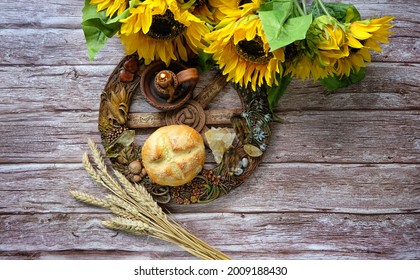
(245, 162)
(238, 171)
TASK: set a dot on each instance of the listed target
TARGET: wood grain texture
(270, 235)
(341, 179)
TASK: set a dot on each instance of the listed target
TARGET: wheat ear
(137, 212)
(90, 199)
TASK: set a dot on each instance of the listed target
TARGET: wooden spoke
(146, 120)
(185, 116)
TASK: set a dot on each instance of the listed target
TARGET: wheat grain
(90, 169)
(130, 225)
(111, 225)
(129, 188)
(97, 155)
(116, 201)
(90, 199)
(140, 195)
(122, 212)
(152, 204)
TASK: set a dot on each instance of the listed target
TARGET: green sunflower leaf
(97, 27)
(332, 83)
(280, 27)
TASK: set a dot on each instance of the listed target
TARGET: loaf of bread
(173, 155)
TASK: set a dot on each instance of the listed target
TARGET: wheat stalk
(136, 211)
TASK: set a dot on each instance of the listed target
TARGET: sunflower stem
(301, 12)
(321, 4)
(304, 6)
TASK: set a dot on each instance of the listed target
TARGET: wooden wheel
(251, 124)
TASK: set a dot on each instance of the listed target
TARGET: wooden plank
(259, 235)
(67, 14)
(353, 136)
(289, 187)
(42, 89)
(54, 46)
(60, 14)
(310, 136)
(51, 46)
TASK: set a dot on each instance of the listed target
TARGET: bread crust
(173, 155)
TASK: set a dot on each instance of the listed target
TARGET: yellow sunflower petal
(359, 32)
(354, 43)
(382, 20)
(146, 21)
(373, 45)
(365, 54)
(182, 51)
(357, 60)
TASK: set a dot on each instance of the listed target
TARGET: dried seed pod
(252, 151)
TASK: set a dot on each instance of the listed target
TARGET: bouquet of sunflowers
(255, 43)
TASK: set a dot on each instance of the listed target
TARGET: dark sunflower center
(199, 3)
(253, 51)
(165, 27)
(242, 2)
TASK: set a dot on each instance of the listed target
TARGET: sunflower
(327, 39)
(305, 67)
(203, 9)
(236, 8)
(111, 6)
(317, 56)
(160, 29)
(240, 48)
(369, 33)
(354, 62)
(362, 36)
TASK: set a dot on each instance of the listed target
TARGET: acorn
(135, 167)
(136, 178)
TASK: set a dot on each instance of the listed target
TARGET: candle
(164, 79)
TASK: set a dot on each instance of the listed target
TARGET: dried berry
(131, 65)
(126, 76)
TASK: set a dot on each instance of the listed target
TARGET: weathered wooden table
(341, 179)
